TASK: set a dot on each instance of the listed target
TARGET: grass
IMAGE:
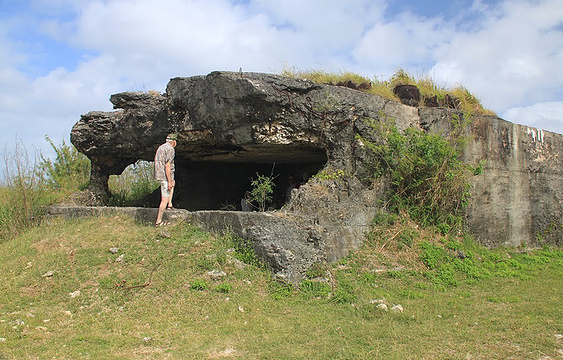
(158, 301)
(461, 97)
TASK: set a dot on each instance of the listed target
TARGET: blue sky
(62, 58)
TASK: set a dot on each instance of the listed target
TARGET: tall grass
(459, 97)
(32, 182)
(22, 193)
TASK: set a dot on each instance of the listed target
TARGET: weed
(315, 289)
(70, 169)
(199, 285)
(459, 97)
(428, 179)
(224, 288)
(344, 293)
(262, 190)
(279, 289)
(243, 249)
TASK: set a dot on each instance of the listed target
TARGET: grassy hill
(66, 295)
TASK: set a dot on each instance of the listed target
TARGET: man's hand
(171, 184)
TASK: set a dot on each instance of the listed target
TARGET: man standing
(164, 173)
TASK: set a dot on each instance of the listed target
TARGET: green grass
(158, 302)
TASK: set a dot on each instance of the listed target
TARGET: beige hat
(171, 137)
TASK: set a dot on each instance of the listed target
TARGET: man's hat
(171, 137)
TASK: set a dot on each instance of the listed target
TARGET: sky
(60, 59)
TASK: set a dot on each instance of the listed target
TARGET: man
(164, 173)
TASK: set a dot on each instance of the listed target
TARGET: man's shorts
(164, 192)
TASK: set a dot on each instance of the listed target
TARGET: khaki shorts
(164, 192)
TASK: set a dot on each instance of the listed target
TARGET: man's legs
(164, 198)
(170, 198)
(161, 208)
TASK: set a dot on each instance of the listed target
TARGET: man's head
(172, 138)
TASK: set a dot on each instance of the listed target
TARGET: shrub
(69, 171)
(427, 177)
(262, 190)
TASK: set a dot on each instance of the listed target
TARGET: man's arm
(168, 171)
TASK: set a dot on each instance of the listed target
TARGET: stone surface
(233, 126)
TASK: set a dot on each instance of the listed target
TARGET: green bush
(427, 177)
(70, 170)
(262, 190)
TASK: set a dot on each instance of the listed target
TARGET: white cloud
(512, 58)
(508, 54)
(545, 115)
(409, 40)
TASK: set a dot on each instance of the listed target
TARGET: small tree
(70, 170)
(262, 190)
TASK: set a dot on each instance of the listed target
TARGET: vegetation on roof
(459, 96)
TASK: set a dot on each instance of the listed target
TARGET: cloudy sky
(62, 58)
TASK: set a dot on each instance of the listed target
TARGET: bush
(428, 179)
(262, 190)
(69, 171)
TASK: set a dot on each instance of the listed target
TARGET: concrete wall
(518, 198)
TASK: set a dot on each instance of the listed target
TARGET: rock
(147, 339)
(378, 301)
(408, 94)
(48, 274)
(120, 258)
(216, 274)
(431, 101)
(241, 309)
(397, 309)
(113, 250)
(2, 340)
(75, 294)
(382, 307)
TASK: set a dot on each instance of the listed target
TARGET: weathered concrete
(518, 199)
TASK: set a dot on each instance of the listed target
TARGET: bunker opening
(224, 180)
